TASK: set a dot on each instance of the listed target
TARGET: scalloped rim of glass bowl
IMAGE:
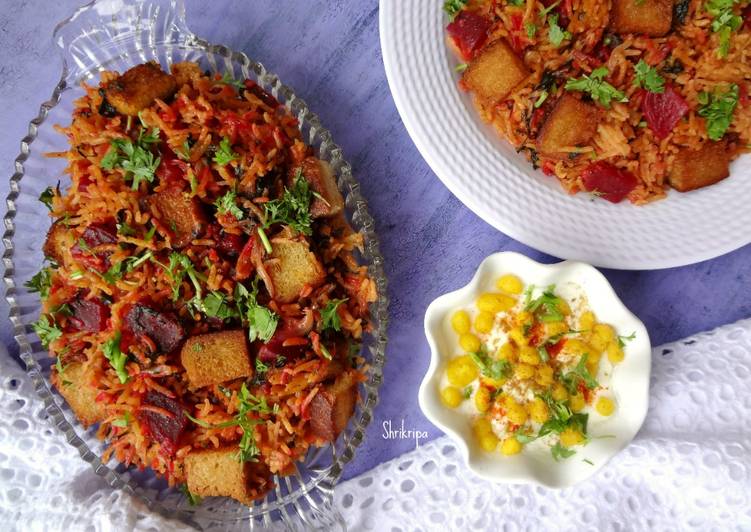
(484, 172)
(630, 380)
(360, 217)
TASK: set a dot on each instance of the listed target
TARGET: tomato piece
(555, 349)
(469, 31)
(612, 183)
(171, 170)
(663, 111)
(245, 265)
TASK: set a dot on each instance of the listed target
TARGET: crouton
(571, 123)
(215, 358)
(329, 201)
(185, 72)
(180, 213)
(74, 385)
(331, 409)
(653, 17)
(694, 169)
(295, 268)
(59, 241)
(495, 72)
(138, 87)
(218, 473)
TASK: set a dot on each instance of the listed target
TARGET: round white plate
(629, 382)
(501, 187)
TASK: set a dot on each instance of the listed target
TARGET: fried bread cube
(59, 240)
(495, 72)
(74, 385)
(180, 213)
(329, 201)
(650, 17)
(694, 169)
(219, 473)
(571, 123)
(138, 87)
(331, 409)
(295, 268)
(215, 358)
(185, 72)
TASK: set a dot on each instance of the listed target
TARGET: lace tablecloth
(688, 468)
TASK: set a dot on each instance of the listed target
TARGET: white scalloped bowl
(629, 381)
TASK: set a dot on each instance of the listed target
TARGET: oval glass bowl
(629, 381)
(116, 35)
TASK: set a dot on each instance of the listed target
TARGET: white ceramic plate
(499, 185)
(629, 382)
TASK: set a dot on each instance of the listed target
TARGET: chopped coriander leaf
(467, 392)
(588, 461)
(227, 204)
(184, 151)
(135, 158)
(117, 358)
(453, 7)
(46, 197)
(517, 2)
(647, 77)
(556, 34)
(150, 234)
(193, 500)
(179, 266)
(117, 270)
(543, 352)
(725, 22)
(229, 79)
(261, 321)
(718, 108)
(623, 339)
(41, 282)
(601, 91)
(125, 229)
(47, 330)
(579, 373)
(224, 154)
(531, 29)
(524, 438)
(293, 208)
(215, 305)
(560, 452)
(546, 306)
(492, 368)
(461, 67)
(329, 315)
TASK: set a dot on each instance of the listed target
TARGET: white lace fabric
(688, 468)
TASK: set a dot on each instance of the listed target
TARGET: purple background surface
(329, 53)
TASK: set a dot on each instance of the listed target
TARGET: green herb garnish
(718, 108)
(261, 321)
(560, 452)
(111, 350)
(531, 29)
(227, 204)
(546, 306)
(556, 34)
(495, 369)
(224, 154)
(623, 339)
(293, 208)
(452, 7)
(215, 305)
(40, 283)
(579, 373)
(648, 77)
(193, 500)
(330, 317)
(134, 158)
(47, 330)
(229, 79)
(725, 22)
(600, 90)
(46, 197)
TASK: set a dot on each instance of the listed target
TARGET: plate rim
(431, 155)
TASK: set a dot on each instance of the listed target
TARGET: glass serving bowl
(116, 35)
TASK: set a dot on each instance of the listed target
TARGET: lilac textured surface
(329, 53)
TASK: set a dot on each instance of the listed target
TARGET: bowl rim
(436, 315)
(293, 501)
